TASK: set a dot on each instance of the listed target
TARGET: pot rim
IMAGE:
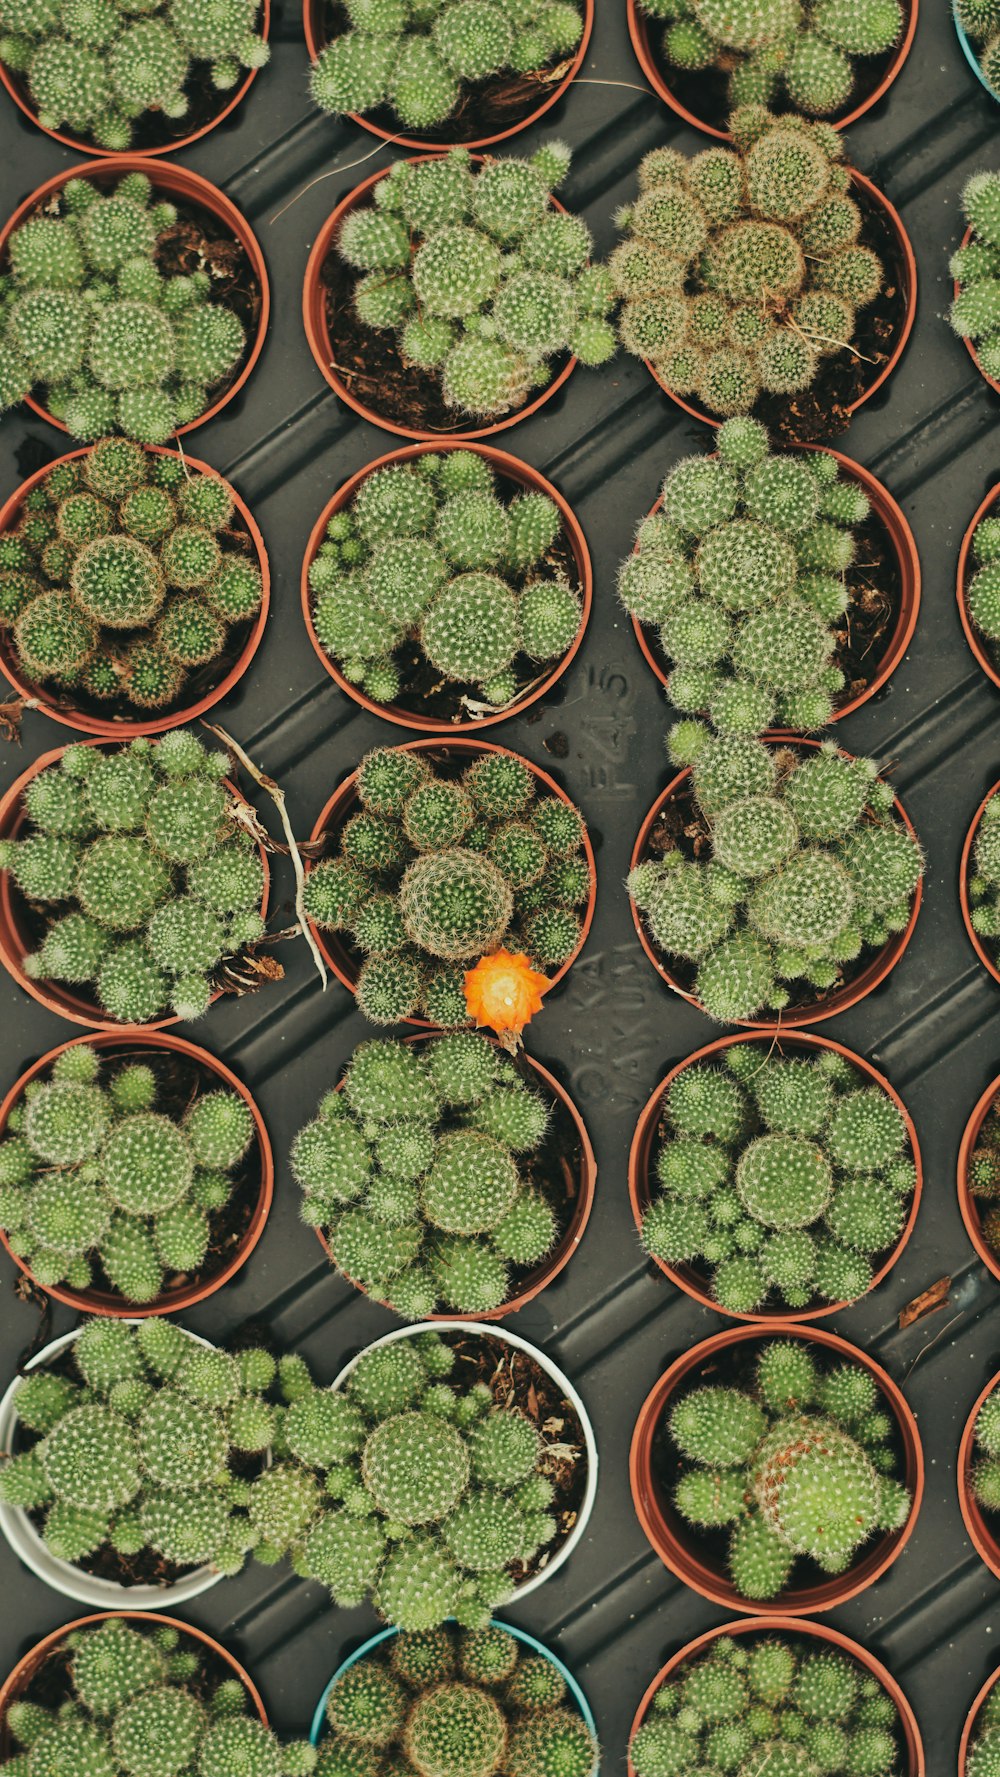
(983, 1539)
(976, 643)
(966, 1201)
(972, 1717)
(989, 963)
(969, 345)
(973, 60)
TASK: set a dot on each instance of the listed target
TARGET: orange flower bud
(503, 992)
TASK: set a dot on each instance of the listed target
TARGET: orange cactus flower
(503, 992)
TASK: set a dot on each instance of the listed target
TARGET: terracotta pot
(17, 87)
(860, 985)
(967, 1203)
(198, 1288)
(557, 1260)
(976, 641)
(314, 24)
(989, 962)
(904, 548)
(822, 1634)
(342, 803)
(15, 941)
(526, 478)
(323, 350)
(867, 194)
(971, 1720)
(689, 1277)
(178, 184)
(641, 28)
(18, 1682)
(124, 729)
(968, 50)
(677, 1544)
(969, 346)
(981, 1531)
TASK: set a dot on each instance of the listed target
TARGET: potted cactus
(775, 1176)
(978, 33)
(496, 1698)
(455, 71)
(447, 590)
(979, 1475)
(449, 1469)
(133, 881)
(134, 588)
(132, 1447)
(442, 1174)
(980, 1745)
(979, 882)
(108, 1695)
(135, 1174)
(975, 312)
(979, 584)
(776, 1470)
(459, 292)
(776, 1695)
(784, 877)
(835, 621)
(768, 278)
(823, 60)
(979, 1177)
(151, 79)
(134, 300)
(448, 857)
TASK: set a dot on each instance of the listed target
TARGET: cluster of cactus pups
(980, 20)
(984, 1474)
(455, 1703)
(774, 1705)
(436, 871)
(95, 1180)
(983, 883)
(419, 1169)
(484, 282)
(807, 871)
(143, 1703)
(741, 271)
(796, 1462)
(983, 1177)
(975, 312)
(776, 49)
(123, 576)
(782, 1176)
(90, 322)
(430, 562)
(982, 1758)
(421, 57)
(982, 588)
(742, 574)
(136, 860)
(99, 67)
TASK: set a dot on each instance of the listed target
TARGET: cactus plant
(984, 1471)
(983, 1177)
(772, 1703)
(794, 1459)
(103, 71)
(982, 1757)
(90, 322)
(135, 1453)
(450, 1701)
(981, 24)
(983, 883)
(781, 1176)
(437, 586)
(426, 61)
(135, 580)
(138, 1702)
(485, 284)
(975, 267)
(142, 870)
(742, 574)
(104, 1182)
(740, 272)
(981, 591)
(439, 869)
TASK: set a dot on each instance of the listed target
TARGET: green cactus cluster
(775, 51)
(771, 1705)
(982, 1758)
(741, 271)
(423, 58)
(142, 1703)
(984, 1474)
(431, 566)
(975, 312)
(982, 588)
(743, 576)
(437, 870)
(125, 575)
(983, 884)
(980, 20)
(485, 284)
(983, 1177)
(98, 68)
(784, 1177)
(146, 880)
(421, 1170)
(100, 1185)
(139, 1449)
(452, 1702)
(92, 326)
(796, 1462)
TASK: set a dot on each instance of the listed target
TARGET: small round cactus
(979, 21)
(982, 1177)
(975, 312)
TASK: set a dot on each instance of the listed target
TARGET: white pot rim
(62, 1576)
(562, 1381)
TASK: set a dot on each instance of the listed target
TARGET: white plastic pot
(470, 1329)
(62, 1576)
